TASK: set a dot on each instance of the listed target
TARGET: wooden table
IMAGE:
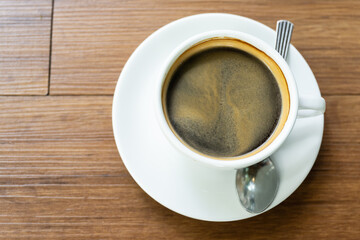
(61, 176)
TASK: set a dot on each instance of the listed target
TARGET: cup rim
(222, 162)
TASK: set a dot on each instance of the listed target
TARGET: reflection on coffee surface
(222, 101)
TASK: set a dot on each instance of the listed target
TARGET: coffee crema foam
(222, 100)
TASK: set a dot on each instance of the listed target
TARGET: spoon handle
(284, 30)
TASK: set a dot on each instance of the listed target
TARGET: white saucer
(175, 181)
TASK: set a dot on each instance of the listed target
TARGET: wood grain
(62, 178)
(24, 46)
(93, 39)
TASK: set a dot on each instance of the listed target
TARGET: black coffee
(223, 102)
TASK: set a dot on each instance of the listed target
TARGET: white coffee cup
(300, 106)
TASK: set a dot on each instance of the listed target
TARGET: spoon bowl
(257, 185)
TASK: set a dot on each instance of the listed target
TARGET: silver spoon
(258, 184)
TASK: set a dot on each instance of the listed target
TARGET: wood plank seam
(50, 44)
